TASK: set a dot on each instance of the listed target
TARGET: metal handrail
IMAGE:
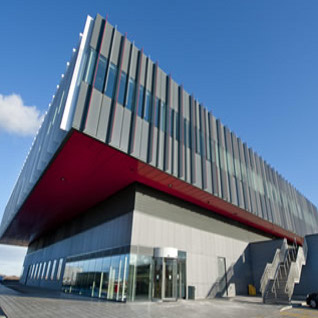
(272, 269)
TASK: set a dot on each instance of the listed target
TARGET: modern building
(133, 190)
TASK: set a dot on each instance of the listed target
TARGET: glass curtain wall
(124, 277)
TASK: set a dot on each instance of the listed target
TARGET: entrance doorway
(169, 279)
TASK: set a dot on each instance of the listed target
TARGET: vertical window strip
(131, 94)
(111, 81)
(101, 74)
(122, 88)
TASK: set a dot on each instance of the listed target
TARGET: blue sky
(253, 63)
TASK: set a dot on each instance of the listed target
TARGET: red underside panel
(86, 172)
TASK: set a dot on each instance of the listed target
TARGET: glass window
(122, 88)
(113, 278)
(100, 74)
(157, 120)
(36, 270)
(43, 270)
(111, 81)
(141, 101)
(131, 94)
(39, 272)
(163, 110)
(172, 122)
(143, 277)
(104, 277)
(32, 270)
(198, 143)
(53, 269)
(89, 72)
(148, 109)
(59, 269)
(48, 270)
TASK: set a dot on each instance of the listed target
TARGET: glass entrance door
(170, 281)
(165, 279)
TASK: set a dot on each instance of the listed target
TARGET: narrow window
(36, 271)
(101, 73)
(59, 269)
(88, 78)
(163, 116)
(172, 123)
(148, 109)
(53, 270)
(43, 271)
(141, 101)
(131, 94)
(48, 270)
(157, 119)
(185, 132)
(111, 81)
(122, 88)
(39, 272)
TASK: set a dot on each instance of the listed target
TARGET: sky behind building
(253, 63)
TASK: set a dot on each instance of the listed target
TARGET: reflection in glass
(100, 74)
(131, 94)
(90, 67)
(141, 101)
(111, 81)
(122, 88)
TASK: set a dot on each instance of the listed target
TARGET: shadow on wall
(248, 269)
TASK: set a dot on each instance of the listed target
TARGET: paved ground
(35, 303)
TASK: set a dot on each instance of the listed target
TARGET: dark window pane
(163, 116)
(197, 140)
(148, 110)
(141, 101)
(185, 132)
(131, 94)
(111, 81)
(157, 120)
(122, 88)
(89, 72)
(172, 122)
(100, 75)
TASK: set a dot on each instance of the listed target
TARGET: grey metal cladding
(98, 25)
(184, 140)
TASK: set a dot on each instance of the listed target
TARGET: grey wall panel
(144, 141)
(160, 220)
(134, 62)
(116, 46)
(125, 129)
(93, 113)
(126, 56)
(117, 126)
(103, 118)
(107, 40)
(98, 25)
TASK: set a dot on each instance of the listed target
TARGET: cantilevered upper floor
(117, 118)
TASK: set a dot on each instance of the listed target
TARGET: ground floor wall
(309, 279)
(116, 251)
(105, 227)
(216, 251)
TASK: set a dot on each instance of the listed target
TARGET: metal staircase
(280, 276)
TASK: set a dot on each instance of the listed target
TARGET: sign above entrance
(169, 252)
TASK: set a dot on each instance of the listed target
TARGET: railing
(271, 269)
(289, 272)
(295, 271)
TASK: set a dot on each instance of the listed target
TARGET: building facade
(134, 190)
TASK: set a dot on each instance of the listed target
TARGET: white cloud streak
(17, 118)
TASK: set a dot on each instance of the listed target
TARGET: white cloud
(17, 118)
